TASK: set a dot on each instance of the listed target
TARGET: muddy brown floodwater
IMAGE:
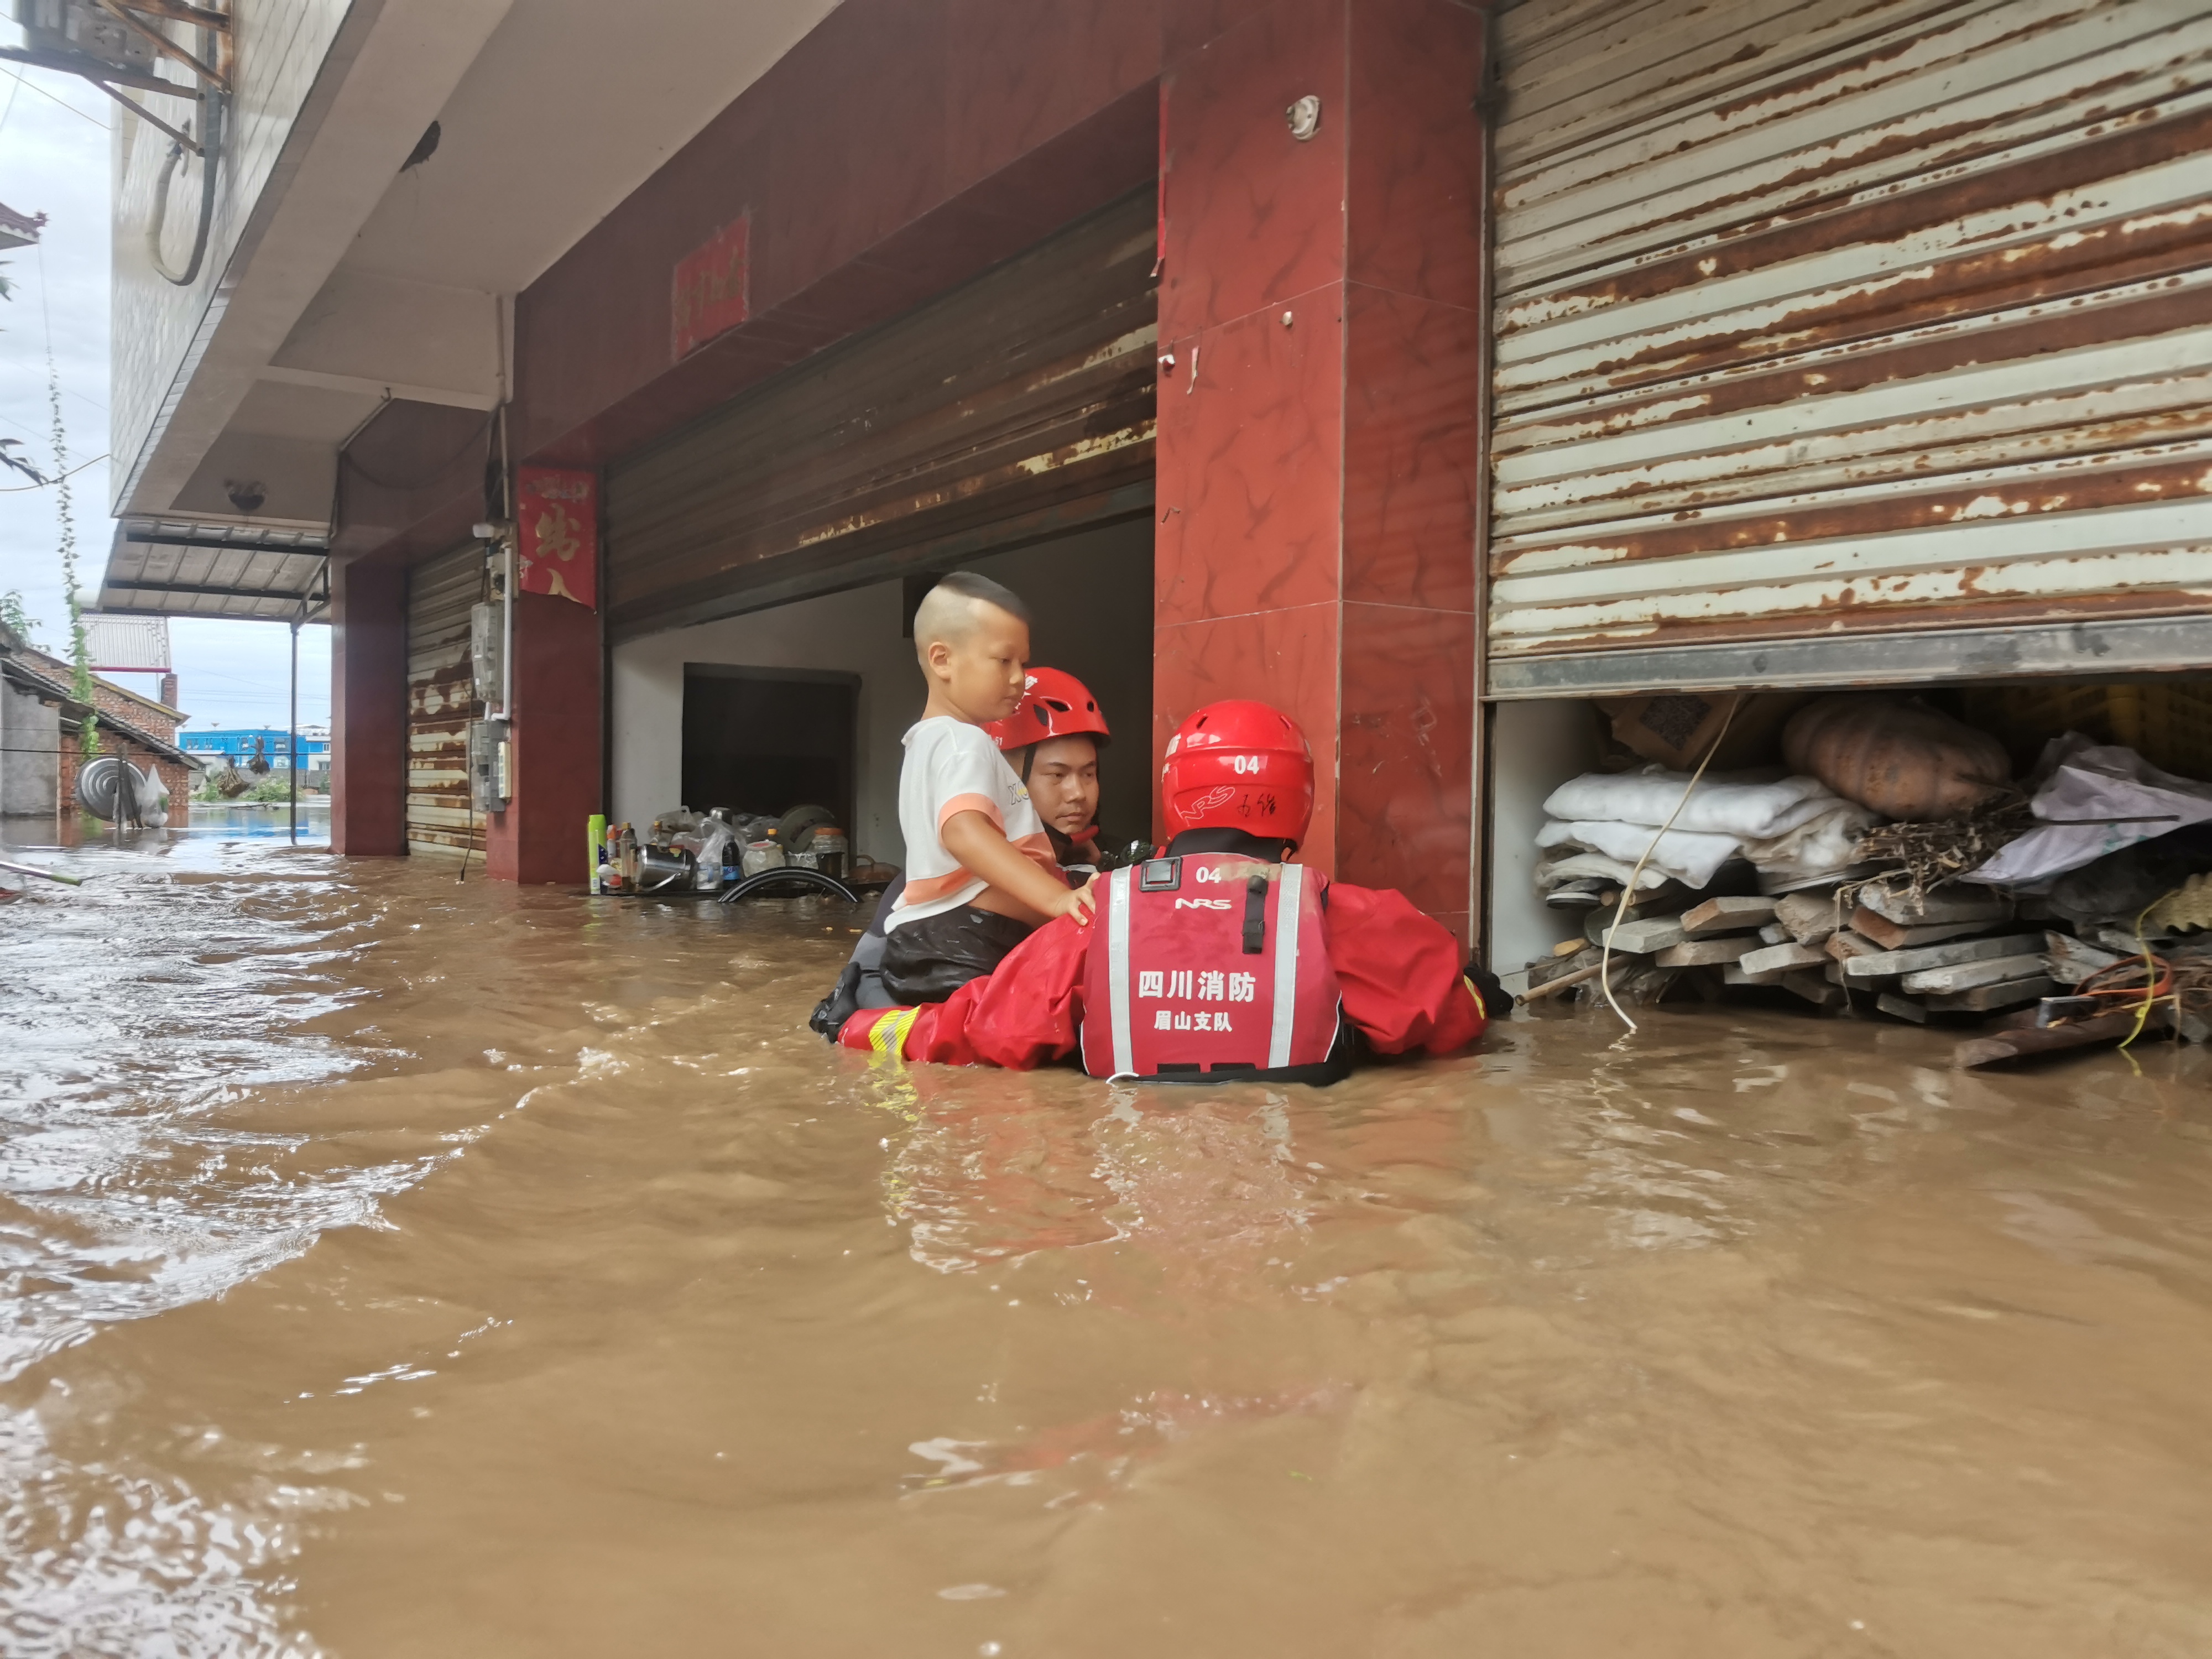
(397, 1267)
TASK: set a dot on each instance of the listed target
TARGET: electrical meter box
(490, 781)
(488, 652)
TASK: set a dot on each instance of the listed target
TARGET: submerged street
(396, 1266)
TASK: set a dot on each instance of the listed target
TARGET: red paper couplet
(558, 513)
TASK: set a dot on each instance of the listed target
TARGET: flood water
(398, 1267)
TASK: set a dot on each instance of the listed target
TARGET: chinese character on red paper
(710, 293)
(557, 515)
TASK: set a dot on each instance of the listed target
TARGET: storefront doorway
(763, 741)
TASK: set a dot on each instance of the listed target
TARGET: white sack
(1690, 858)
(1820, 846)
(1750, 812)
(1585, 867)
(2084, 780)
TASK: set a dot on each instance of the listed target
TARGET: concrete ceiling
(273, 410)
(571, 106)
(567, 106)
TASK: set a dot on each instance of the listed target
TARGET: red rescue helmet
(1054, 704)
(1239, 765)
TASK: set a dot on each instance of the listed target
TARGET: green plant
(13, 615)
(268, 790)
(64, 510)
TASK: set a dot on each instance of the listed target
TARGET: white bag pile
(1601, 825)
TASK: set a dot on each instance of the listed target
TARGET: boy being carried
(980, 867)
(1052, 741)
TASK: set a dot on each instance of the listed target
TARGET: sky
(55, 133)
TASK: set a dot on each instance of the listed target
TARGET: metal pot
(660, 867)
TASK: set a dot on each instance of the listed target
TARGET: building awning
(178, 568)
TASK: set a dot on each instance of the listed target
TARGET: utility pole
(293, 742)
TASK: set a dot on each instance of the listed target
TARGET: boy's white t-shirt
(953, 767)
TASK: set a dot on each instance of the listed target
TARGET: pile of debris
(2083, 915)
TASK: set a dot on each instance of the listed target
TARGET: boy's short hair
(946, 610)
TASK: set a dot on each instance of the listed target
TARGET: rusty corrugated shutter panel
(1847, 322)
(1016, 407)
(440, 702)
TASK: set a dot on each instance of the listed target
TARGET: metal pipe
(51, 875)
(292, 741)
(513, 535)
(211, 103)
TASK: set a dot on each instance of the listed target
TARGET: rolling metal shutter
(1850, 343)
(440, 702)
(1015, 408)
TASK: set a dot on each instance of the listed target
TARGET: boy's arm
(984, 851)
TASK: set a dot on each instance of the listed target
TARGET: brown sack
(1677, 728)
(1902, 758)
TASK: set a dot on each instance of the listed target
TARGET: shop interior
(775, 739)
(2027, 861)
(803, 704)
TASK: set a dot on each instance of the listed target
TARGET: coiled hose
(104, 790)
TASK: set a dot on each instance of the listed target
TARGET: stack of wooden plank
(1716, 942)
(1961, 955)
(1958, 950)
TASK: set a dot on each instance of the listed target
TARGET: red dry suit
(1397, 978)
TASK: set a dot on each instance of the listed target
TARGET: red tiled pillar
(368, 709)
(1317, 428)
(556, 773)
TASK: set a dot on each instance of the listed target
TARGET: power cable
(1628, 891)
(48, 483)
(21, 81)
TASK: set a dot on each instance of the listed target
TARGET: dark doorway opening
(766, 740)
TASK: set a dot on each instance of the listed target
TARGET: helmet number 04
(1251, 763)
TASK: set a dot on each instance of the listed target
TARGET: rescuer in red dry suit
(1218, 960)
(1051, 740)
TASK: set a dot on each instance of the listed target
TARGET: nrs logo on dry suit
(1218, 961)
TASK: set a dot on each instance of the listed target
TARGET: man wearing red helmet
(1051, 740)
(1219, 960)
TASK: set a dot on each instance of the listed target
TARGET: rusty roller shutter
(1014, 408)
(440, 702)
(1823, 329)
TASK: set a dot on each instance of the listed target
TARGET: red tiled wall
(555, 756)
(1317, 477)
(368, 709)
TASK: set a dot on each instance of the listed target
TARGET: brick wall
(146, 716)
(177, 779)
